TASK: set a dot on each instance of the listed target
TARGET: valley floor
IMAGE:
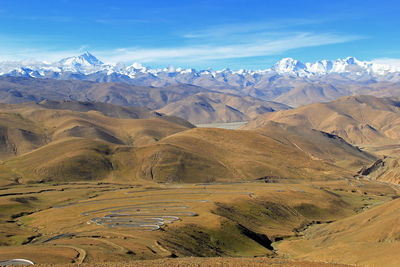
(228, 125)
(105, 224)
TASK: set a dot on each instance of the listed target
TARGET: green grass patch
(26, 219)
(228, 240)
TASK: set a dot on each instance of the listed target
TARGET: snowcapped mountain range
(324, 67)
(289, 81)
(87, 64)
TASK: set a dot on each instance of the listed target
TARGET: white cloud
(387, 61)
(202, 53)
(252, 30)
(252, 45)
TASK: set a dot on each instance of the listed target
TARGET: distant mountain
(289, 81)
(213, 107)
(348, 65)
(182, 100)
(81, 63)
(88, 64)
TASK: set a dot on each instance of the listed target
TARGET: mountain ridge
(24, 89)
(289, 81)
(87, 63)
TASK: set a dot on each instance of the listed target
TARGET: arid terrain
(200, 133)
(103, 222)
(370, 123)
(70, 141)
(194, 103)
(97, 183)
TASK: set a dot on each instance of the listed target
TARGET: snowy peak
(352, 60)
(289, 65)
(87, 64)
(347, 66)
(137, 66)
(84, 60)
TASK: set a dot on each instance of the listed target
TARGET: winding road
(143, 213)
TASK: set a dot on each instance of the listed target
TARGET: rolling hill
(357, 119)
(18, 135)
(205, 154)
(111, 123)
(371, 123)
(55, 140)
(92, 141)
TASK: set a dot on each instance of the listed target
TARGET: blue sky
(250, 34)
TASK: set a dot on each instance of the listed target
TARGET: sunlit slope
(65, 160)
(18, 135)
(371, 238)
(197, 155)
(67, 141)
(93, 125)
(84, 143)
(111, 123)
(318, 145)
(205, 154)
(357, 119)
(385, 170)
(111, 110)
(78, 146)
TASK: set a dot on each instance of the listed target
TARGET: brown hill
(110, 110)
(205, 154)
(88, 145)
(197, 155)
(318, 145)
(190, 102)
(70, 159)
(357, 119)
(18, 90)
(385, 170)
(107, 122)
(218, 107)
(63, 142)
(362, 239)
(18, 135)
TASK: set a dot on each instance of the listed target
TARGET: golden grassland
(102, 185)
(232, 220)
(361, 239)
